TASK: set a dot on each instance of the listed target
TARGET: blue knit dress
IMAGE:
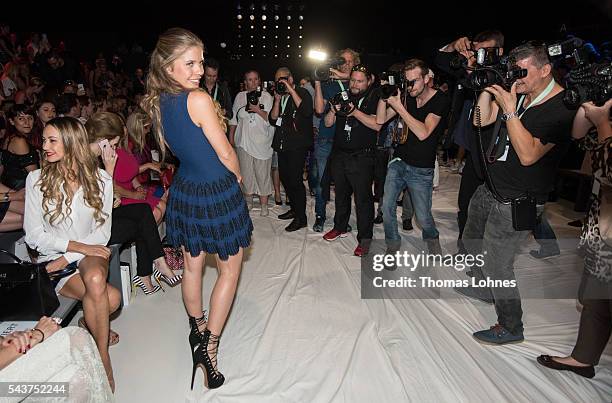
(206, 210)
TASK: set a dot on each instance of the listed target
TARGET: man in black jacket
(291, 114)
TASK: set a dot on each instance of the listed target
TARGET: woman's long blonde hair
(136, 123)
(170, 46)
(77, 165)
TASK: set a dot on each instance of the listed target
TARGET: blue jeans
(320, 156)
(419, 182)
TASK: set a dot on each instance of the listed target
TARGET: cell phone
(81, 89)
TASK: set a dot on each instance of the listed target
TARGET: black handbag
(26, 292)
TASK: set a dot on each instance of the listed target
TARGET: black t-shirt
(360, 136)
(422, 153)
(295, 131)
(551, 122)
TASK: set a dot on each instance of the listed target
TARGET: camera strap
(540, 97)
(284, 101)
(216, 91)
(347, 127)
(340, 85)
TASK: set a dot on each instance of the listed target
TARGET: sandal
(113, 337)
(547, 361)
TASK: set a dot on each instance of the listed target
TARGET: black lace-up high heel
(204, 348)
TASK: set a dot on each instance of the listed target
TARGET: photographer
(462, 104)
(414, 158)
(534, 133)
(353, 159)
(218, 91)
(251, 135)
(292, 117)
(324, 91)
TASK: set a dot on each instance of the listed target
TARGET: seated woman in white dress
(50, 354)
(68, 222)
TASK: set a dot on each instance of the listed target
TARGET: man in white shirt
(252, 135)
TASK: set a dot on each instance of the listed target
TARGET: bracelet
(507, 116)
(41, 332)
(6, 197)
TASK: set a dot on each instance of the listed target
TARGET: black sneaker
(318, 225)
(544, 254)
(407, 225)
(378, 219)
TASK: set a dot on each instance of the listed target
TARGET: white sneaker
(264, 210)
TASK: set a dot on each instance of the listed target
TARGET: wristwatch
(508, 116)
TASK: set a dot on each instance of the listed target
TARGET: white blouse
(253, 134)
(51, 241)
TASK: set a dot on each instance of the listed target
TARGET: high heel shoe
(195, 323)
(207, 359)
(137, 281)
(171, 281)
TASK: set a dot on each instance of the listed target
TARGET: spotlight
(263, 37)
(275, 55)
(300, 36)
(301, 18)
(288, 45)
(251, 36)
(239, 16)
(288, 18)
(288, 27)
(264, 27)
(276, 18)
(288, 36)
(251, 45)
(276, 26)
(275, 36)
(300, 55)
(299, 46)
(263, 46)
(287, 56)
(263, 18)
(318, 55)
(300, 27)
(223, 45)
(251, 17)
(252, 27)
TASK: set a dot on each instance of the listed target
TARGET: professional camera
(391, 82)
(344, 100)
(281, 88)
(491, 68)
(587, 80)
(322, 73)
(253, 98)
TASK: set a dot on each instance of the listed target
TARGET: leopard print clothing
(598, 254)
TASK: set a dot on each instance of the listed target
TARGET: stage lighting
(276, 26)
(288, 36)
(251, 17)
(239, 16)
(288, 18)
(288, 45)
(264, 27)
(300, 55)
(263, 17)
(288, 27)
(300, 36)
(252, 27)
(276, 18)
(300, 27)
(301, 17)
(317, 55)
(223, 45)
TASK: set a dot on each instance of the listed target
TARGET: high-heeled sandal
(137, 281)
(206, 357)
(113, 337)
(171, 281)
(195, 324)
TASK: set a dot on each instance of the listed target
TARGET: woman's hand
(153, 166)
(140, 193)
(20, 341)
(47, 326)
(597, 114)
(95, 250)
(57, 264)
(109, 158)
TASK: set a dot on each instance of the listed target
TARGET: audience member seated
(45, 111)
(47, 353)
(68, 222)
(18, 157)
(108, 125)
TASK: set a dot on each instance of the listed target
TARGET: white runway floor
(299, 332)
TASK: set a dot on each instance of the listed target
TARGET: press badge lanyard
(284, 100)
(216, 89)
(539, 98)
(347, 127)
(341, 85)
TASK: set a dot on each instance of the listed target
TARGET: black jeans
(469, 184)
(380, 173)
(291, 169)
(135, 223)
(354, 173)
(489, 232)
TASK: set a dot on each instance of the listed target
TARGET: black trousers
(354, 173)
(380, 173)
(469, 184)
(595, 319)
(291, 169)
(135, 223)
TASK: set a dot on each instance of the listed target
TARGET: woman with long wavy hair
(206, 211)
(68, 222)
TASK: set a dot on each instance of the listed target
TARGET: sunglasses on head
(362, 68)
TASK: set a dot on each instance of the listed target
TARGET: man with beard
(353, 158)
(413, 164)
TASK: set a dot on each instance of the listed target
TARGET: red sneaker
(334, 234)
(360, 251)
